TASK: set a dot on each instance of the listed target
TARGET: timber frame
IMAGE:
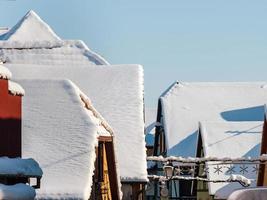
(105, 179)
(187, 189)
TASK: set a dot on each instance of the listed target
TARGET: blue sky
(208, 40)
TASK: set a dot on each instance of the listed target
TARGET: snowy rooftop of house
(4, 72)
(234, 140)
(150, 123)
(32, 41)
(185, 104)
(18, 191)
(117, 93)
(258, 193)
(61, 134)
(14, 88)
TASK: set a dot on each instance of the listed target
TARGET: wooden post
(262, 175)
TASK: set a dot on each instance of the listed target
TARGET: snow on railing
(262, 158)
(233, 178)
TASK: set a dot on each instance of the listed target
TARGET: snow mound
(243, 180)
(31, 28)
(15, 89)
(17, 192)
(18, 166)
(258, 193)
(4, 72)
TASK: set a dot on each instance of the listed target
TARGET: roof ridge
(89, 106)
(38, 27)
(170, 89)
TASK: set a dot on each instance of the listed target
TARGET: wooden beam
(112, 170)
(105, 139)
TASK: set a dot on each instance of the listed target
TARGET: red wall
(10, 122)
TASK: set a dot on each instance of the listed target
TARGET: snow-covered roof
(117, 93)
(18, 191)
(15, 89)
(32, 41)
(31, 28)
(234, 140)
(185, 104)
(150, 123)
(60, 131)
(19, 167)
(4, 72)
(258, 193)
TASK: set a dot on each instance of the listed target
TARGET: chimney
(10, 115)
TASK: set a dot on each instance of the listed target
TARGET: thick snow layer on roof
(15, 89)
(185, 104)
(230, 139)
(17, 192)
(32, 41)
(18, 166)
(258, 193)
(29, 29)
(66, 53)
(61, 134)
(4, 72)
(117, 93)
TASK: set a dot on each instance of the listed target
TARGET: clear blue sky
(184, 40)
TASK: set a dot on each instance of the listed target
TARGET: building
(150, 124)
(117, 91)
(71, 141)
(15, 171)
(183, 105)
(227, 140)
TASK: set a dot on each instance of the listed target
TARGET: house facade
(223, 140)
(183, 105)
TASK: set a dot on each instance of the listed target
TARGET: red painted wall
(10, 122)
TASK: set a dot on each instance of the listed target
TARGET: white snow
(61, 134)
(117, 93)
(259, 193)
(185, 104)
(31, 28)
(19, 167)
(245, 181)
(15, 89)
(32, 41)
(150, 123)
(4, 72)
(231, 139)
(17, 192)
(3, 30)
